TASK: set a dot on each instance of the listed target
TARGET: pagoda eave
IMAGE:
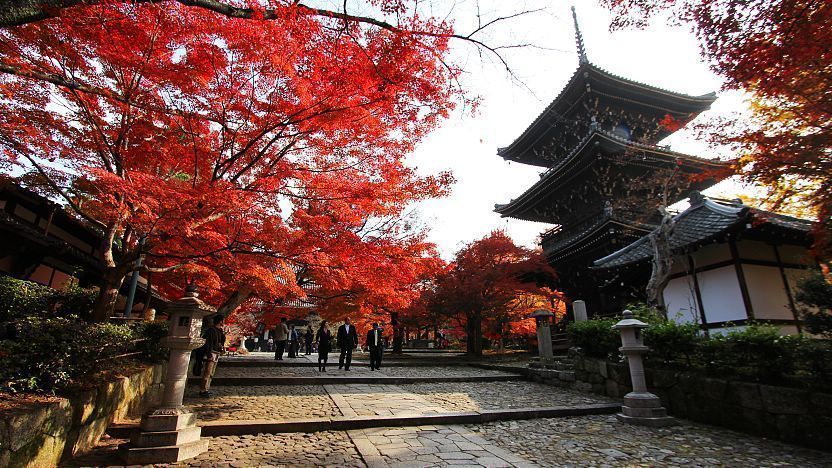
(552, 181)
(593, 79)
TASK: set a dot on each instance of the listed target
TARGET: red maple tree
(223, 150)
(781, 52)
(486, 284)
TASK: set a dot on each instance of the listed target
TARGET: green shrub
(756, 353)
(48, 354)
(672, 342)
(760, 353)
(150, 334)
(52, 354)
(19, 298)
(595, 337)
(814, 295)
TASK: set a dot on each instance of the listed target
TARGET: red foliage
(492, 282)
(241, 151)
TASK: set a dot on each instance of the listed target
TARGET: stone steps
(358, 379)
(345, 423)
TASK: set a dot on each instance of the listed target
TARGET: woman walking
(324, 340)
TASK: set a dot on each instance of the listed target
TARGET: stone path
(497, 395)
(598, 441)
(570, 441)
(380, 400)
(262, 402)
(424, 446)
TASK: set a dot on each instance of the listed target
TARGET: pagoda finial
(579, 39)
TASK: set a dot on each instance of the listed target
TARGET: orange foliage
(240, 151)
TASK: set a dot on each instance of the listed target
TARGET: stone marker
(544, 335)
(579, 311)
(169, 433)
(640, 406)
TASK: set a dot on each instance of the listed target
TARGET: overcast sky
(660, 55)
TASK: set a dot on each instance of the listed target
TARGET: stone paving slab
(598, 441)
(428, 446)
(379, 400)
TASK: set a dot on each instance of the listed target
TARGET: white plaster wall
(756, 250)
(721, 296)
(793, 254)
(768, 293)
(710, 254)
(680, 300)
(726, 330)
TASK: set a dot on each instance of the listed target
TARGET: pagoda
(605, 173)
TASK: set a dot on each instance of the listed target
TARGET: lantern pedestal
(644, 409)
(169, 434)
(640, 406)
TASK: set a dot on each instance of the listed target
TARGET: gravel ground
(598, 441)
(315, 449)
(324, 449)
(495, 395)
(262, 402)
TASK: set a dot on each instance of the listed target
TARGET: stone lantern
(169, 433)
(542, 318)
(640, 406)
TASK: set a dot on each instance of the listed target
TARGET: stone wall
(41, 434)
(793, 415)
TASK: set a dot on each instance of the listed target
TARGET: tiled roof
(703, 222)
(553, 173)
(587, 67)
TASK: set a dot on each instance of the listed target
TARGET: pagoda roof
(586, 235)
(551, 179)
(706, 221)
(591, 77)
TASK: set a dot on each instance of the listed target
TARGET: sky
(660, 55)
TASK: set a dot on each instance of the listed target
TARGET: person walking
(375, 343)
(308, 339)
(213, 347)
(293, 342)
(281, 334)
(324, 340)
(347, 341)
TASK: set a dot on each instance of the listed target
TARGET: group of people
(287, 335)
(347, 340)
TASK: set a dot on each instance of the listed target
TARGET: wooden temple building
(605, 174)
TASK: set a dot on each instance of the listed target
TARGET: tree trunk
(474, 332)
(108, 288)
(234, 300)
(662, 261)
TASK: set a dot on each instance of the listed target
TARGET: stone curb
(342, 423)
(524, 371)
(391, 363)
(353, 380)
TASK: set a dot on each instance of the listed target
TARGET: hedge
(757, 353)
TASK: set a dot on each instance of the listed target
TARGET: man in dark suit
(347, 341)
(375, 343)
